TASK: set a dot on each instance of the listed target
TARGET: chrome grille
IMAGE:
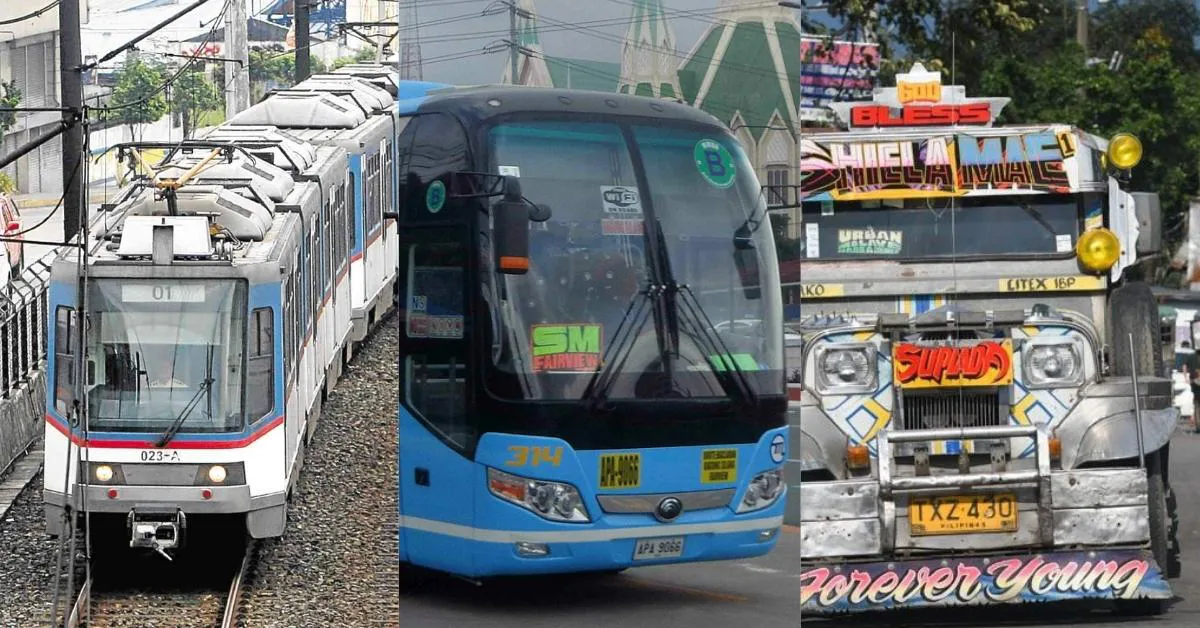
(953, 409)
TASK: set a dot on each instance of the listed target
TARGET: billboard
(832, 70)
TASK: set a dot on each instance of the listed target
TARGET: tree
(10, 98)
(271, 67)
(192, 96)
(138, 96)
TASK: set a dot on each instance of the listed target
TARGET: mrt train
(222, 292)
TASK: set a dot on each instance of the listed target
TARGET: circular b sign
(435, 197)
(714, 163)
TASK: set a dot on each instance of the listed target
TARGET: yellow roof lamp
(1124, 151)
(1098, 249)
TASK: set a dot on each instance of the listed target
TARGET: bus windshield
(163, 350)
(591, 259)
(917, 228)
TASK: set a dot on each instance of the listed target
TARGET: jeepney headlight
(556, 501)
(764, 490)
(846, 368)
(1053, 363)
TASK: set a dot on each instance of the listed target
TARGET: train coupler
(159, 528)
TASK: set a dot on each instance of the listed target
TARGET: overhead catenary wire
(30, 16)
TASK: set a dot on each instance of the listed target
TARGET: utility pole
(237, 77)
(512, 39)
(72, 100)
(302, 39)
(1081, 25)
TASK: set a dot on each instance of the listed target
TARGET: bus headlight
(846, 368)
(1098, 249)
(104, 473)
(764, 490)
(556, 501)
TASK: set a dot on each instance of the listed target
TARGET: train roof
(384, 76)
(483, 102)
(324, 101)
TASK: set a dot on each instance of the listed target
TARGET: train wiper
(728, 372)
(184, 414)
(616, 354)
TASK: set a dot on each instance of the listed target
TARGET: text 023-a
(649, 549)
(162, 293)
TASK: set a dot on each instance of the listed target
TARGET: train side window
(351, 194)
(433, 340)
(260, 370)
(439, 147)
(64, 358)
(289, 328)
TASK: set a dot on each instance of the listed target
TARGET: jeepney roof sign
(919, 100)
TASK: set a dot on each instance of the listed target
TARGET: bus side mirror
(745, 258)
(1148, 211)
(510, 224)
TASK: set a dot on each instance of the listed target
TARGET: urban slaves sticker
(566, 347)
(870, 242)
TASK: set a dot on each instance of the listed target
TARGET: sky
(455, 27)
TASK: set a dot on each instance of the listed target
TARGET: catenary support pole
(71, 57)
(302, 40)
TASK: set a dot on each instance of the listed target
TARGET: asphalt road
(761, 592)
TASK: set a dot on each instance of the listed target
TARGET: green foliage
(7, 185)
(362, 56)
(134, 97)
(10, 97)
(272, 68)
(191, 96)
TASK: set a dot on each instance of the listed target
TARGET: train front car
(186, 368)
(570, 398)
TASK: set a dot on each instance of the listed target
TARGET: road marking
(756, 568)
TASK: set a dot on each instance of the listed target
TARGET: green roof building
(745, 70)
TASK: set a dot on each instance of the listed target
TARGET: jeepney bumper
(1079, 533)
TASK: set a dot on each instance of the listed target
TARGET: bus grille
(956, 409)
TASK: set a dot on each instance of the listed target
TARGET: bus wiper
(614, 357)
(184, 414)
(734, 379)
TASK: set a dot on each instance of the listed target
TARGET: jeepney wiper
(183, 414)
(614, 357)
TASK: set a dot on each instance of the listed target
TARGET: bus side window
(64, 359)
(433, 337)
(260, 358)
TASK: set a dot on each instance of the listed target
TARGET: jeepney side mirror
(1148, 211)
(510, 224)
(745, 258)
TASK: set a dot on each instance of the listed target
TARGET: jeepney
(976, 324)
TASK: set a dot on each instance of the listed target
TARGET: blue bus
(591, 335)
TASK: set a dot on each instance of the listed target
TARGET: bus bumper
(609, 545)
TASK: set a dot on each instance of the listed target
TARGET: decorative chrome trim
(648, 504)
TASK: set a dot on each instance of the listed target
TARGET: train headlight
(216, 473)
(764, 490)
(104, 473)
(556, 501)
(1098, 249)
(846, 368)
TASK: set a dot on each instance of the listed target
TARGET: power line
(28, 16)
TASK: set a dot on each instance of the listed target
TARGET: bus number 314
(522, 455)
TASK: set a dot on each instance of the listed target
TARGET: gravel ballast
(335, 566)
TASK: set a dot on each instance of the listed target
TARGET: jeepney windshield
(159, 350)
(589, 261)
(919, 228)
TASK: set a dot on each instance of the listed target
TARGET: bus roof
(473, 102)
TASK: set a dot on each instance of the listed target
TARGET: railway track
(201, 589)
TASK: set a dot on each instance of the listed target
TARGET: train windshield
(593, 260)
(166, 351)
